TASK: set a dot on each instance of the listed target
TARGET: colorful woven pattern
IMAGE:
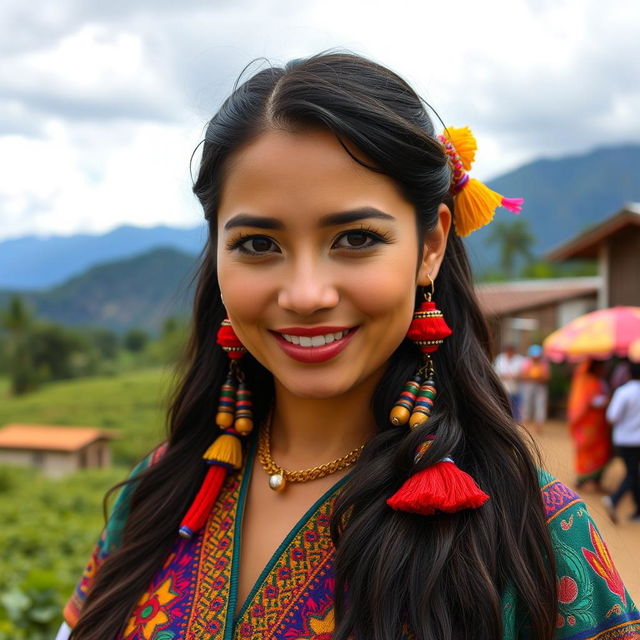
(193, 595)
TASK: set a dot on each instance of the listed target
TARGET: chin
(316, 389)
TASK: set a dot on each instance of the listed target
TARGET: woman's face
(314, 249)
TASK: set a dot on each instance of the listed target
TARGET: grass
(132, 404)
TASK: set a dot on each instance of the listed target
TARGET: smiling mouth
(314, 345)
(314, 341)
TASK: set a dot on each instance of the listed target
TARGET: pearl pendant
(277, 482)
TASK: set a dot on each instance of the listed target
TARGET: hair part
(440, 576)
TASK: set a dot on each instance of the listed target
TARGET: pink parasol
(600, 335)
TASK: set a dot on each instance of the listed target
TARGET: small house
(54, 450)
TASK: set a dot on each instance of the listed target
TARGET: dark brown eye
(255, 245)
(356, 240)
(260, 245)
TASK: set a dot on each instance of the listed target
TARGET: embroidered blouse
(194, 594)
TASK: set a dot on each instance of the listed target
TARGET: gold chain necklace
(278, 477)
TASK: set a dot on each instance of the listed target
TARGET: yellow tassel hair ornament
(476, 204)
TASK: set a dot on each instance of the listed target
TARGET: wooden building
(523, 312)
(615, 243)
(54, 450)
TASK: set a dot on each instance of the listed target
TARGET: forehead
(287, 173)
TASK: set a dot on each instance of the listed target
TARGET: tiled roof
(500, 298)
(49, 438)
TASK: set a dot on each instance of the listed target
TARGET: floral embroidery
(150, 612)
(295, 599)
(321, 626)
(189, 598)
(557, 498)
(601, 562)
(567, 590)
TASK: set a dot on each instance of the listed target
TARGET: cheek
(386, 296)
(245, 292)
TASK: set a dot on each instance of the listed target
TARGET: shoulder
(115, 525)
(592, 599)
(109, 540)
(556, 496)
(630, 389)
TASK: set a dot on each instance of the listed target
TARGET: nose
(308, 288)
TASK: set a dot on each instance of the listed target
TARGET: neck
(306, 432)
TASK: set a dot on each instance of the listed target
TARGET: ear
(434, 246)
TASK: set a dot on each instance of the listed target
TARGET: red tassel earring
(442, 486)
(234, 419)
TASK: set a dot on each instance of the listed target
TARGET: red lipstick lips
(313, 355)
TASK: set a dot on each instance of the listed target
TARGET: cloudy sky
(102, 103)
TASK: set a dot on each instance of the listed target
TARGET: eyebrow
(333, 219)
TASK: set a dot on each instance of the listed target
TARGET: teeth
(314, 341)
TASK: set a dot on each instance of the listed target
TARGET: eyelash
(369, 232)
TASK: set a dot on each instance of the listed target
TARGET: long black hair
(437, 577)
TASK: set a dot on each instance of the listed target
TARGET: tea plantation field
(49, 526)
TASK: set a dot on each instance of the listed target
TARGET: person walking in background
(620, 375)
(535, 392)
(508, 366)
(588, 426)
(624, 414)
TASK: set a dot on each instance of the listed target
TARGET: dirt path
(623, 539)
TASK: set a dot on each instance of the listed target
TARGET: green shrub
(49, 529)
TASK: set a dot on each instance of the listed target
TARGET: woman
(588, 426)
(329, 208)
(535, 388)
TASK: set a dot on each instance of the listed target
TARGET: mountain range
(564, 196)
(141, 291)
(135, 277)
(35, 262)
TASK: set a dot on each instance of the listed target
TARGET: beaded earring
(234, 419)
(427, 330)
(443, 486)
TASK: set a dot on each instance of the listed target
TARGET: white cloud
(102, 103)
(54, 186)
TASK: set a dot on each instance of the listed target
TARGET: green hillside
(131, 404)
(136, 292)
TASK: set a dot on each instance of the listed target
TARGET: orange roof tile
(49, 438)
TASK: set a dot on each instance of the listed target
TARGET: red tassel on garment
(441, 487)
(205, 499)
(224, 454)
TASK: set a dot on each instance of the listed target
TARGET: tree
(16, 318)
(514, 240)
(59, 353)
(16, 321)
(135, 340)
(39, 351)
(105, 341)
